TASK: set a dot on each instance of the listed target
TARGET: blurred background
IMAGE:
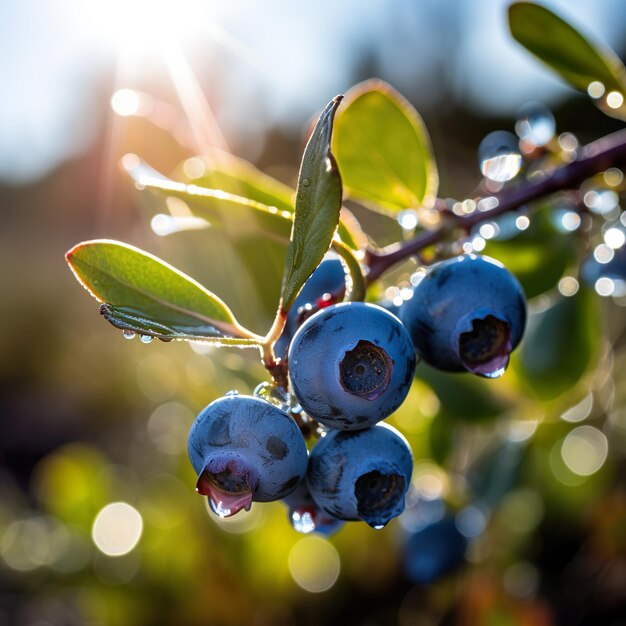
(517, 513)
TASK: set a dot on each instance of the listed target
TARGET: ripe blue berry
(467, 313)
(361, 475)
(305, 516)
(351, 365)
(324, 281)
(245, 449)
(434, 550)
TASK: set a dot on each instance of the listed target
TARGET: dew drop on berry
(273, 394)
(302, 521)
(495, 374)
(218, 508)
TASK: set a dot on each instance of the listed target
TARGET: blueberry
(245, 449)
(305, 516)
(361, 475)
(323, 282)
(467, 313)
(351, 365)
(433, 551)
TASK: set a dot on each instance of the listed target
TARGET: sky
(277, 61)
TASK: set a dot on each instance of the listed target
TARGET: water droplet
(495, 374)
(273, 394)
(128, 334)
(499, 156)
(535, 124)
(145, 338)
(502, 167)
(306, 182)
(378, 526)
(219, 509)
(302, 521)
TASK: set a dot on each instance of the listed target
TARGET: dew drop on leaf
(128, 334)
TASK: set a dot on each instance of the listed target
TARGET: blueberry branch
(592, 159)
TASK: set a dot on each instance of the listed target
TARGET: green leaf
(229, 173)
(256, 235)
(318, 203)
(231, 213)
(564, 49)
(140, 292)
(246, 236)
(559, 345)
(383, 149)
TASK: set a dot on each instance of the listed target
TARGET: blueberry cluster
(351, 366)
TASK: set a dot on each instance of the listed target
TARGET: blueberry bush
(374, 298)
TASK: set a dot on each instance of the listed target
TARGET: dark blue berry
(351, 365)
(304, 514)
(467, 313)
(433, 551)
(245, 449)
(361, 475)
(324, 282)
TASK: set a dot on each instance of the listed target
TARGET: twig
(592, 159)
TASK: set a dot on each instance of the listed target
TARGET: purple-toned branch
(592, 159)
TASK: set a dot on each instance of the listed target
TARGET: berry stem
(276, 367)
(592, 159)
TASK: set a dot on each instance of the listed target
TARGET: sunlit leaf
(559, 345)
(256, 235)
(245, 235)
(229, 173)
(231, 213)
(139, 292)
(383, 149)
(318, 203)
(560, 46)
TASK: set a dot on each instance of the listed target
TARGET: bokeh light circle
(314, 564)
(117, 529)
